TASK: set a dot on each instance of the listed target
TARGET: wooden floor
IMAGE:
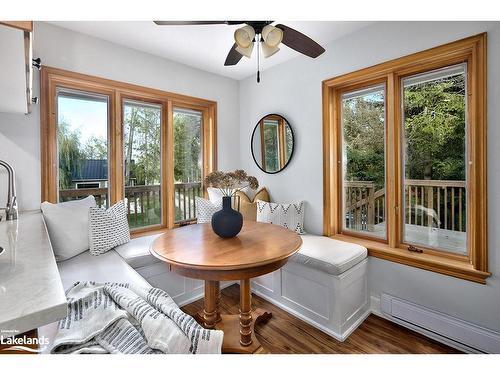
(286, 334)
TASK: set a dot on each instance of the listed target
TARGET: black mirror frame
(293, 140)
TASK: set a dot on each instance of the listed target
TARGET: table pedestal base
(230, 324)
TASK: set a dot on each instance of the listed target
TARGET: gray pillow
(68, 226)
(108, 228)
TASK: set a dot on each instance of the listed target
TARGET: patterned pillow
(288, 215)
(108, 228)
(205, 209)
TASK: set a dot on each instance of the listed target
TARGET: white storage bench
(324, 284)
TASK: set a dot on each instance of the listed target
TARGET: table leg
(245, 313)
(239, 329)
(210, 304)
(217, 301)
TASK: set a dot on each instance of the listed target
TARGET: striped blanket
(120, 318)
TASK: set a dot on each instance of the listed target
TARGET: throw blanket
(122, 318)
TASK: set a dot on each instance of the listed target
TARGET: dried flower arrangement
(231, 182)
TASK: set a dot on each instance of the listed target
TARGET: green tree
(435, 129)
(434, 132)
(363, 128)
(95, 148)
(142, 145)
(70, 153)
(187, 147)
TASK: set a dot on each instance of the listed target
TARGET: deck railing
(431, 203)
(143, 201)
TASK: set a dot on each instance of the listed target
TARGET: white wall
(293, 89)
(61, 48)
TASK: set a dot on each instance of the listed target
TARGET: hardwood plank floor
(285, 333)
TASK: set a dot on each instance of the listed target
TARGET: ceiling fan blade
(181, 23)
(194, 23)
(300, 42)
(233, 57)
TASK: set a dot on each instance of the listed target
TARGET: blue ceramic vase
(227, 222)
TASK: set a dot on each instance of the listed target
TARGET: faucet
(11, 210)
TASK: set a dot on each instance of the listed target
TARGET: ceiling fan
(267, 37)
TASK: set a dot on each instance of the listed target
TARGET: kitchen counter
(31, 292)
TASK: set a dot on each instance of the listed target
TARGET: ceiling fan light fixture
(244, 36)
(272, 35)
(268, 51)
(245, 51)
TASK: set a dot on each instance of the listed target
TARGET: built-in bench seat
(107, 267)
(136, 252)
(324, 284)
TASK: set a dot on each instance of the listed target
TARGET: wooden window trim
(53, 78)
(474, 266)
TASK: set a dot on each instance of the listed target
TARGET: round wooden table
(195, 251)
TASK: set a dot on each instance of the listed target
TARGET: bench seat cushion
(107, 267)
(328, 255)
(136, 252)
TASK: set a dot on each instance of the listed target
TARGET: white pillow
(288, 215)
(215, 195)
(108, 228)
(68, 226)
(205, 209)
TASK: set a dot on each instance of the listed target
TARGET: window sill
(141, 232)
(451, 267)
(157, 229)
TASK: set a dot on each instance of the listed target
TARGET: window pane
(187, 162)
(142, 156)
(363, 133)
(82, 146)
(434, 159)
(271, 146)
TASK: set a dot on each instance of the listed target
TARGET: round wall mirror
(272, 143)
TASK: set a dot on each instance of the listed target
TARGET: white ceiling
(204, 47)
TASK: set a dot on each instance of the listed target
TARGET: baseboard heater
(441, 327)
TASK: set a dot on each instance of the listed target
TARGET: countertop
(31, 292)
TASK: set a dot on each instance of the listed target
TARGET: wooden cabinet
(16, 72)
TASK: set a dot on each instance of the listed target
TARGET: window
(434, 151)
(115, 140)
(82, 145)
(187, 162)
(363, 169)
(142, 168)
(405, 159)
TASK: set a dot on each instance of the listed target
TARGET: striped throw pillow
(288, 215)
